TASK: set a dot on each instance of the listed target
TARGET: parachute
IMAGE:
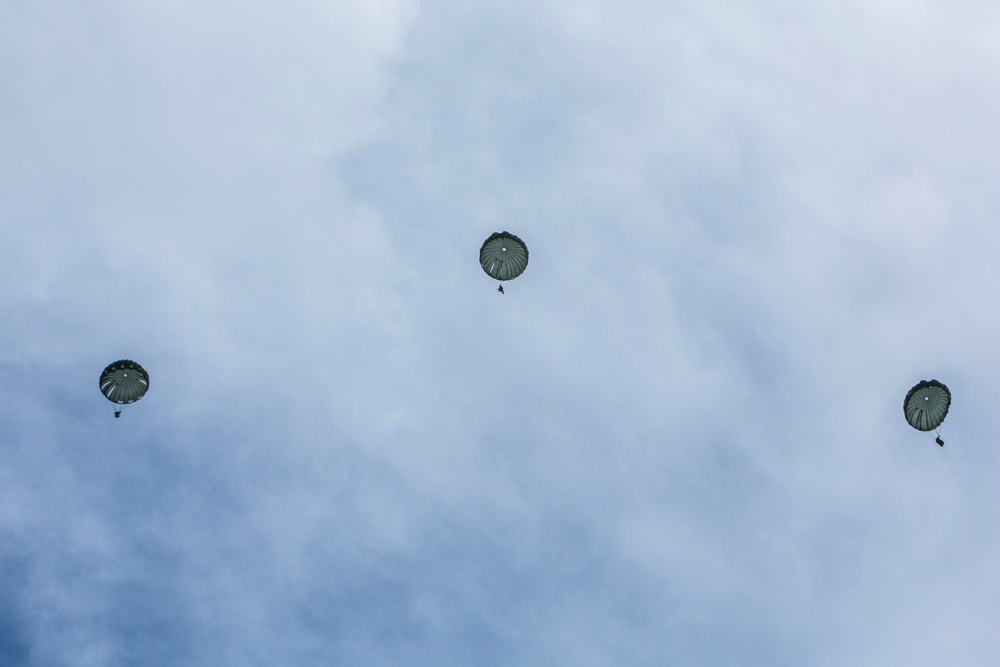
(926, 405)
(124, 382)
(503, 256)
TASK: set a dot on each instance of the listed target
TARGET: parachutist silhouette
(118, 413)
(939, 441)
(500, 289)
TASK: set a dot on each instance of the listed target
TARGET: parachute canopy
(503, 256)
(926, 405)
(124, 381)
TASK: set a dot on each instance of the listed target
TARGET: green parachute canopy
(503, 256)
(926, 405)
(124, 382)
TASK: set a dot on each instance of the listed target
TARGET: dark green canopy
(926, 405)
(503, 256)
(124, 381)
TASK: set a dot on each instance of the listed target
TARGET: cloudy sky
(676, 440)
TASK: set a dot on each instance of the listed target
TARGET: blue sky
(677, 439)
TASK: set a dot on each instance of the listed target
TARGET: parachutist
(124, 382)
(500, 289)
(926, 405)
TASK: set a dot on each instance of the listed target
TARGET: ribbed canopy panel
(926, 405)
(503, 256)
(124, 381)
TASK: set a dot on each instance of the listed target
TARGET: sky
(677, 439)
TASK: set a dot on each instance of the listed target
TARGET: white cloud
(676, 438)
